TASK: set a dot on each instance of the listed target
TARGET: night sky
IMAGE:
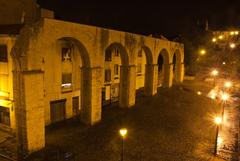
(168, 18)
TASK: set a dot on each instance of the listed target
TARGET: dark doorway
(58, 110)
(75, 106)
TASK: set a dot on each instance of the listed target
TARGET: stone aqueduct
(33, 61)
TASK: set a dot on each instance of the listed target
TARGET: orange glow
(218, 120)
(214, 72)
(123, 132)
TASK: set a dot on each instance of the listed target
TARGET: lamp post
(224, 98)
(123, 133)
(218, 121)
(214, 73)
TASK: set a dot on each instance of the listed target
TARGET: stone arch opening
(144, 68)
(115, 61)
(163, 59)
(72, 76)
(177, 66)
(81, 49)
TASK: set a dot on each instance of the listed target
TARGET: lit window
(66, 80)
(66, 54)
(3, 53)
(108, 75)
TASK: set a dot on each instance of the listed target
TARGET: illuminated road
(229, 132)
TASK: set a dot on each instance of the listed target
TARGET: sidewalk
(7, 145)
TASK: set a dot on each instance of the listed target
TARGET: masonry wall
(38, 50)
(6, 81)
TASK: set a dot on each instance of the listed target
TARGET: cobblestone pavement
(174, 125)
(165, 127)
(228, 135)
(8, 148)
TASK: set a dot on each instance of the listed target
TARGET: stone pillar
(179, 73)
(167, 75)
(151, 79)
(91, 95)
(29, 105)
(127, 86)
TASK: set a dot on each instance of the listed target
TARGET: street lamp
(228, 84)
(123, 133)
(220, 37)
(224, 98)
(214, 39)
(218, 121)
(202, 52)
(232, 45)
(214, 73)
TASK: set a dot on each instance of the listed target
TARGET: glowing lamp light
(123, 132)
(232, 33)
(213, 95)
(202, 52)
(199, 93)
(236, 32)
(220, 37)
(225, 96)
(228, 84)
(214, 72)
(218, 120)
(214, 40)
(232, 45)
(224, 63)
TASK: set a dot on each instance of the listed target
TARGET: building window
(108, 55)
(108, 75)
(116, 52)
(66, 54)
(116, 70)
(3, 53)
(140, 53)
(4, 116)
(139, 69)
(66, 80)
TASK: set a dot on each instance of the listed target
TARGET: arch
(117, 72)
(162, 61)
(177, 61)
(122, 51)
(148, 53)
(81, 48)
(165, 54)
(178, 57)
